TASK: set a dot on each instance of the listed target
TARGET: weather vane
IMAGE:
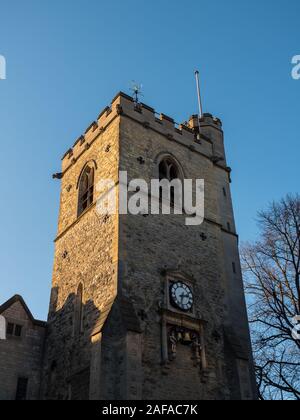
(136, 89)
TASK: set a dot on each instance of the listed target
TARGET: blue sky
(67, 59)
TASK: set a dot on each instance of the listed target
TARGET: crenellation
(79, 145)
(193, 123)
(170, 120)
(124, 105)
(148, 108)
(80, 140)
(210, 119)
(103, 112)
(124, 96)
(93, 131)
(149, 114)
(178, 131)
(68, 154)
(92, 128)
(186, 129)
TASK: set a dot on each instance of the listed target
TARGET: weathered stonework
(131, 343)
(21, 357)
(86, 252)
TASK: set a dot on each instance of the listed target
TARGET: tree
(272, 279)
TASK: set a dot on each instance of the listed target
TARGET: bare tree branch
(272, 281)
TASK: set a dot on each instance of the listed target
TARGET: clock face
(182, 296)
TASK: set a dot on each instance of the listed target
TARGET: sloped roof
(18, 298)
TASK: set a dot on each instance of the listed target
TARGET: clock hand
(183, 296)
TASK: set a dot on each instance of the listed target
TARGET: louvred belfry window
(168, 170)
(86, 189)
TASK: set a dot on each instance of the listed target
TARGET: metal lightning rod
(199, 99)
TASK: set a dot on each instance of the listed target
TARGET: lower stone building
(21, 352)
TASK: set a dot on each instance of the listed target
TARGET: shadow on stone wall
(68, 348)
(87, 362)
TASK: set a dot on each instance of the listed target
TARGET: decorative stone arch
(172, 158)
(92, 163)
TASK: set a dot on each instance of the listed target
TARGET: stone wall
(86, 253)
(149, 245)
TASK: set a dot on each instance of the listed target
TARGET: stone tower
(145, 307)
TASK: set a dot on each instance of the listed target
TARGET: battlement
(124, 105)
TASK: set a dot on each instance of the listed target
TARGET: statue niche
(183, 336)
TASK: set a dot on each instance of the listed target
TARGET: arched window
(78, 310)
(86, 189)
(169, 170)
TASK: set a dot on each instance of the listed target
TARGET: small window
(14, 330)
(224, 192)
(18, 330)
(78, 310)
(229, 227)
(234, 267)
(10, 328)
(21, 393)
